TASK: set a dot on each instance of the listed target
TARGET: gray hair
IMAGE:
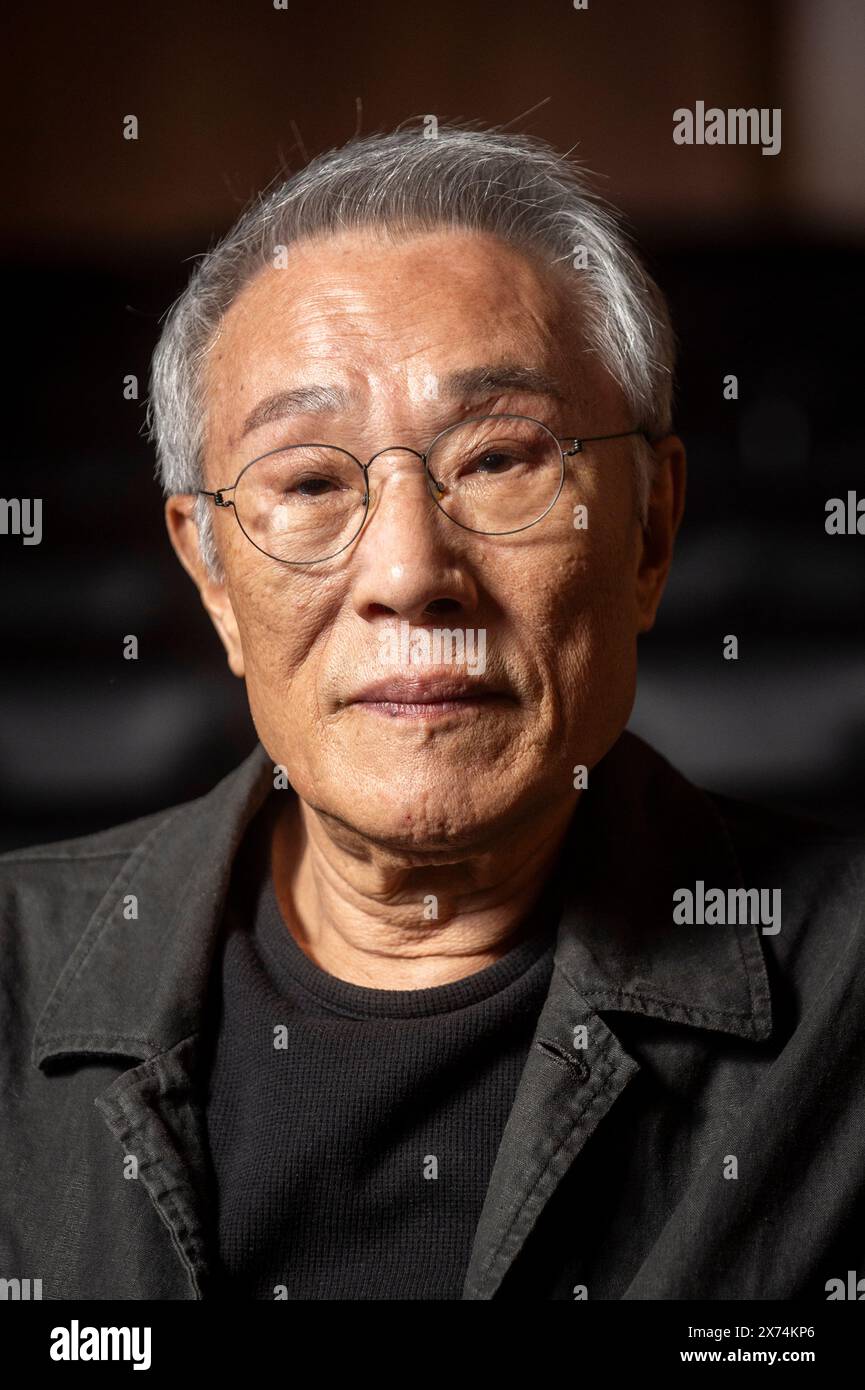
(515, 186)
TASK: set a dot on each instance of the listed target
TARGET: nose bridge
(432, 482)
(395, 449)
(409, 565)
(412, 534)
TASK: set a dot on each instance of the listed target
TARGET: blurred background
(761, 257)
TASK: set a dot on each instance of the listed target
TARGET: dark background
(761, 257)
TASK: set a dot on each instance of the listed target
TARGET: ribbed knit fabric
(352, 1158)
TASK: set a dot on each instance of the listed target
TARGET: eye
(494, 461)
(311, 487)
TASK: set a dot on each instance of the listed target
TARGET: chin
(425, 813)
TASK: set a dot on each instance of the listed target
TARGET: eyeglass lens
(307, 502)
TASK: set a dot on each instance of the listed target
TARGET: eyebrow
(465, 383)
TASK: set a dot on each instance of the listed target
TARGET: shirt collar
(137, 987)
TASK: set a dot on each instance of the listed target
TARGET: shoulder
(83, 855)
(810, 875)
(803, 849)
(818, 872)
(49, 892)
(103, 844)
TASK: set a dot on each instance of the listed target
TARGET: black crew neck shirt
(353, 1131)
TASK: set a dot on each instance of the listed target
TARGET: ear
(183, 534)
(666, 505)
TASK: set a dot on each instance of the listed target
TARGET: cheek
(590, 586)
(584, 621)
(283, 620)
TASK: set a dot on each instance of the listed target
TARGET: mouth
(427, 697)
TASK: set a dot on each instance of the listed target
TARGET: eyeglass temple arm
(577, 444)
(217, 496)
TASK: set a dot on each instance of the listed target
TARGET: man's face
(389, 321)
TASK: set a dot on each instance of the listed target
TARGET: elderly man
(453, 989)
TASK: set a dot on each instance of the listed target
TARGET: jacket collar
(642, 831)
(137, 987)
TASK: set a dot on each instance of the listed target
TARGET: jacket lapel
(136, 987)
(640, 832)
(560, 1101)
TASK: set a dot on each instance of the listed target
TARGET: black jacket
(707, 1141)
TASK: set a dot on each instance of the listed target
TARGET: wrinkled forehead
(373, 317)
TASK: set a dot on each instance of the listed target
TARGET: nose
(410, 560)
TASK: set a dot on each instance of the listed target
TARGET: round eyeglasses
(495, 475)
